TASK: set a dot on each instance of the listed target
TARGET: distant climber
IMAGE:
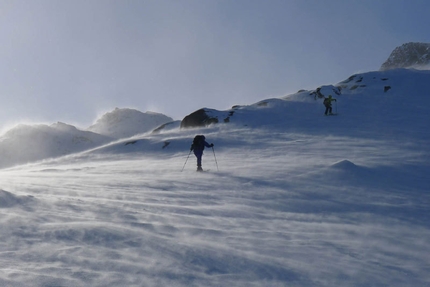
(327, 104)
(198, 145)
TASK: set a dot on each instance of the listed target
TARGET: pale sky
(71, 61)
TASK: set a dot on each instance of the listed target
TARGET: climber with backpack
(198, 145)
(327, 104)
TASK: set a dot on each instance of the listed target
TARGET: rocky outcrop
(409, 55)
(199, 118)
(325, 91)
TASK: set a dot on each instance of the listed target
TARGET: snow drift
(300, 199)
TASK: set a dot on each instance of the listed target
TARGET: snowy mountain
(364, 99)
(409, 55)
(123, 123)
(290, 198)
(28, 143)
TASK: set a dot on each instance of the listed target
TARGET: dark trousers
(328, 109)
(198, 154)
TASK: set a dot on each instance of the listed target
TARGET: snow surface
(300, 199)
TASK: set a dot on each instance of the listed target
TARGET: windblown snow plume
(123, 123)
(289, 197)
(28, 143)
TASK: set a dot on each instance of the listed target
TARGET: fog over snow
(121, 123)
(290, 198)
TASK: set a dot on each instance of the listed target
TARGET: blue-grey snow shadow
(410, 179)
(399, 192)
(228, 263)
(191, 264)
(8, 199)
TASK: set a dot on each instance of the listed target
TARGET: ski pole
(215, 159)
(186, 161)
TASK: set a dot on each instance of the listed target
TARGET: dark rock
(166, 143)
(325, 91)
(199, 118)
(131, 142)
(227, 119)
(262, 104)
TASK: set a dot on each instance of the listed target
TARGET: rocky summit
(409, 55)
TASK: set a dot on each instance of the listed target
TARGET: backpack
(199, 142)
(326, 101)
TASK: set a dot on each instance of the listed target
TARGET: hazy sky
(72, 60)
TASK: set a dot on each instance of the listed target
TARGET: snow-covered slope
(123, 123)
(385, 100)
(291, 198)
(28, 143)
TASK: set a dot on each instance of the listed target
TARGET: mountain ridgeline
(373, 92)
(409, 55)
(363, 100)
(29, 143)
